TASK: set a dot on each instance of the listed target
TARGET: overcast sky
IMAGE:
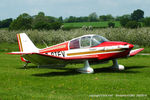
(65, 8)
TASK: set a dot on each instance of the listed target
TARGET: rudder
(26, 45)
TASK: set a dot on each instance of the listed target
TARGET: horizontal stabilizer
(136, 51)
(19, 53)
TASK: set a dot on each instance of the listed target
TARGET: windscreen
(96, 40)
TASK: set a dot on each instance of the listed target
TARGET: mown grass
(35, 83)
(93, 24)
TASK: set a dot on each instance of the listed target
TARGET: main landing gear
(25, 65)
(116, 66)
(86, 69)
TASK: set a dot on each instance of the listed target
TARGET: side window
(74, 44)
(85, 41)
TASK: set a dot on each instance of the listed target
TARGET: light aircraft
(87, 48)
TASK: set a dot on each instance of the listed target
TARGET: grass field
(34, 83)
(93, 24)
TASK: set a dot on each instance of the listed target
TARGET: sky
(66, 8)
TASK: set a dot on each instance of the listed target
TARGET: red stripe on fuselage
(55, 48)
(113, 55)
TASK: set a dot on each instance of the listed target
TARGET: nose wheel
(116, 66)
(86, 69)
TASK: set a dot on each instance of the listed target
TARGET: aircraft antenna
(44, 43)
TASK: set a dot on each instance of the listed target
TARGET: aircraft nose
(127, 45)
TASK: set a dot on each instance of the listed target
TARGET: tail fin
(25, 44)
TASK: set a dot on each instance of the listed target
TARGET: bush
(42, 26)
(56, 25)
(133, 24)
(111, 24)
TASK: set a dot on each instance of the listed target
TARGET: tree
(137, 15)
(42, 22)
(56, 25)
(147, 22)
(24, 21)
(93, 17)
(40, 18)
(108, 17)
(103, 18)
(124, 21)
(133, 24)
(60, 19)
(111, 24)
(42, 26)
(71, 19)
(76, 19)
(50, 19)
(128, 16)
(84, 19)
(5, 23)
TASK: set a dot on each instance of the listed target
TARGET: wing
(45, 59)
(136, 51)
(39, 58)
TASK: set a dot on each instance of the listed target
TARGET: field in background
(93, 24)
(139, 36)
(66, 84)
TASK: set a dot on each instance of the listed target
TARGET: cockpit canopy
(86, 41)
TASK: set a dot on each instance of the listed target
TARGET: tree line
(41, 21)
(133, 20)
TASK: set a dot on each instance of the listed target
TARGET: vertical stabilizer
(25, 44)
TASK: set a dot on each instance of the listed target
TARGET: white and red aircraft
(87, 48)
